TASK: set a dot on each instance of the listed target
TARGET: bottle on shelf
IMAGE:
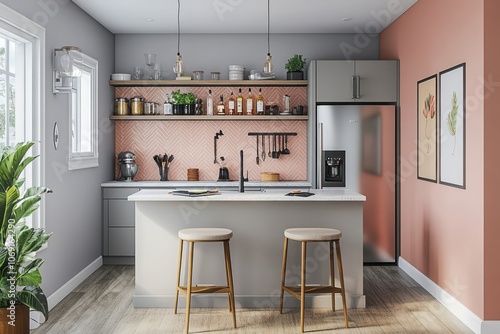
(167, 106)
(210, 103)
(239, 103)
(231, 104)
(220, 107)
(260, 103)
(250, 99)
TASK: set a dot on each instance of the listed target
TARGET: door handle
(358, 87)
(353, 87)
(319, 153)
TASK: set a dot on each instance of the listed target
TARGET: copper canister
(121, 106)
(137, 105)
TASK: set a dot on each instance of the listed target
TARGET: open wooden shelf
(208, 118)
(208, 83)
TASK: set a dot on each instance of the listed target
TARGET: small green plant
(295, 64)
(190, 98)
(176, 97)
(182, 98)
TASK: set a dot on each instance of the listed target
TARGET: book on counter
(195, 192)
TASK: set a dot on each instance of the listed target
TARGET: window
(22, 48)
(83, 106)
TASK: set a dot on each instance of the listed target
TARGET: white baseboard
(471, 320)
(66, 289)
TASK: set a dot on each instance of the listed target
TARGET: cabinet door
(378, 80)
(121, 213)
(334, 81)
(122, 241)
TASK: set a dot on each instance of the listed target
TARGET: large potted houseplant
(294, 67)
(20, 276)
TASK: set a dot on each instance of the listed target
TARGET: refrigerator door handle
(358, 87)
(353, 87)
(319, 163)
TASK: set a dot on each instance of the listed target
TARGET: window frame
(81, 160)
(34, 34)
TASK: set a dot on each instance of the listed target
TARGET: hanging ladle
(286, 150)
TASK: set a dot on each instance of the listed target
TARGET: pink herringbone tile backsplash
(192, 144)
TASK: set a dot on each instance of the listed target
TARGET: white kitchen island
(258, 220)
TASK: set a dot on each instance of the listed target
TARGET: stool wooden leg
(303, 286)
(283, 273)
(178, 281)
(341, 277)
(227, 279)
(229, 270)
(332, 275)
(189, 283)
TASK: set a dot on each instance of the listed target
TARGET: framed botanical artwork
(427, 129)
(452, 126)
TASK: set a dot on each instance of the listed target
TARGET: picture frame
(452, 126)
(427, 129)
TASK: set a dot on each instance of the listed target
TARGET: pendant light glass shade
(268, 66)
(178, 68)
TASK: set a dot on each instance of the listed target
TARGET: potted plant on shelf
(294, 67)
(190, 103)
(20, 277)
(177, 100)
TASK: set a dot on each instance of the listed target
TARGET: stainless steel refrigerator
(356, 149)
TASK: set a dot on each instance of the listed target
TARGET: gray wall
(73, 211)
(214, 52)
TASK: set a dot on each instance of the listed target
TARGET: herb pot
(295, 75)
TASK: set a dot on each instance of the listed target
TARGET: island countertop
(205, 184)
(258, 220)
(320, 195)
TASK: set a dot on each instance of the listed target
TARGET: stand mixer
(128, 167)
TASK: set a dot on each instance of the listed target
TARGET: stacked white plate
(236, 72)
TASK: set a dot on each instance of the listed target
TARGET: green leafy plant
(182, 98)
(451, 120)
(176, 97)
(295, 64)
(190, 98)
(20, 276)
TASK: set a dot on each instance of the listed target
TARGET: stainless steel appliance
(356, 149)
(128, 167)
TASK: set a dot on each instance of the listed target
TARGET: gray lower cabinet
(347, 81)
(118, 225)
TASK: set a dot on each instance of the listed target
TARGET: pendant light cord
(268, 24)
(178, 27)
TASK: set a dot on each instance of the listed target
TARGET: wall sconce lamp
(65, 69)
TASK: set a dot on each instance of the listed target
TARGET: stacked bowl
(236, 72)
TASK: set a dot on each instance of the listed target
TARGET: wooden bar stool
(305, 235)
(192, 235)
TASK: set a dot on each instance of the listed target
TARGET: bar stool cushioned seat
(191, 236)
(305, 235)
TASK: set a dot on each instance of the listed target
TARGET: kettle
(128, 167)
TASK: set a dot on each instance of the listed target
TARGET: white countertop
(321, 195)
(203, 184)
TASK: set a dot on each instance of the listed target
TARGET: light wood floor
(395, 304)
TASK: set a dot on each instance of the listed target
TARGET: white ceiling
(245, 16)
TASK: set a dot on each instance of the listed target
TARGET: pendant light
(178, 68)
(268, 66)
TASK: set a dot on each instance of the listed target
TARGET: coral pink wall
(491, 160)
(442, 227)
